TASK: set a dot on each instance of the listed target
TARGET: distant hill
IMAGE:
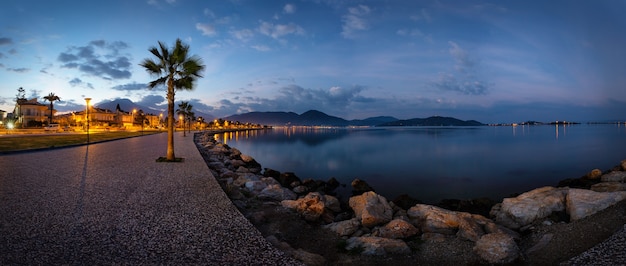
(308, 118)
(373, 121)
(433, 121)
(127, 106)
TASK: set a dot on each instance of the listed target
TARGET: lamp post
(133, 122)
(87, 100)
(160, 121)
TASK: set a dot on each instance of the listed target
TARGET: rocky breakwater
(369, 224)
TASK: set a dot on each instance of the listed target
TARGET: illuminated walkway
(111, 203)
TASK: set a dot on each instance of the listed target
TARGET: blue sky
(493, 61)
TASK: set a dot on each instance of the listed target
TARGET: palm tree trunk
(50, 118)
(170, 121)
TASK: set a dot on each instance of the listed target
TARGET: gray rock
(371, 208)
(398, 229)
(497, 248)
(432, 219)
(528, 207)
(332, 203)
(615, 176)
(276, 193)
(310, 207)
(344, 228)
(609, 187)
(594, 174)
(378, 246)
(582, 202)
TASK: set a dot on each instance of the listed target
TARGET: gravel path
(610, 252)
(111, 203)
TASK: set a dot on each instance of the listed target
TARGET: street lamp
(160, 121)
(87, 100)
(133, 122)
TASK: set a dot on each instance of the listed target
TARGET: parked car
(52, 127)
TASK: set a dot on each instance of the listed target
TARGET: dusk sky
(492, 61)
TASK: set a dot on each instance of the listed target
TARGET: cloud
(77, 82)
(98, 58)
(260, 48)
(130, 87)
(463, 61)
(465, 80)
(5, 41)
(279, 30)
(242, 35)
(19, 70)
(422, 15)
(206, 29)
(295, 98)
(354, 21)
(289, 9)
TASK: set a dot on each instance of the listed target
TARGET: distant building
(31, 113)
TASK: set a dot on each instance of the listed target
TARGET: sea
(435, 163)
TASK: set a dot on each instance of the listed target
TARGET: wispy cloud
(279, 30)
(76, 82)
(206, 29)
(354, 21)
(465, 79)
(289, 9)
(19, 70)
(130, 86)
(5, 41)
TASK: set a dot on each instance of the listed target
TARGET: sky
(491, 61)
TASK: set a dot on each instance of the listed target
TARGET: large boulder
(332, 203)
(397, 229)
(310, 207)
(359, 187)
(432, 219)
(287, 178)
(497, 248)
(378, 246)
(344, 228)
(371, 208)
(536, 204)
(276, 192)
(615, 176)
(582, 203)
(609, 187)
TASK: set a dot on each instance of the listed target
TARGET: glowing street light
(133, 120)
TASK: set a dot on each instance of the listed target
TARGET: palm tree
(184, 109)
(178, 71)
(51, 98)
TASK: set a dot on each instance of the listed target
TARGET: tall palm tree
(51, 98)
(178, 71)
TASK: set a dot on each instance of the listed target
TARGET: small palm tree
(184, 109)
(178, 71)
(51, 98)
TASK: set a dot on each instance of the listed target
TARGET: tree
(51, 98)
(176, 70)
(20, 96)
(184, 109)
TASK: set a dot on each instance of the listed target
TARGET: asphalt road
(112, 203)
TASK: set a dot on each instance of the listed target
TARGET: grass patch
(165, 160)
(30, 142)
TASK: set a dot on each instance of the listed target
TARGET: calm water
(436, 163)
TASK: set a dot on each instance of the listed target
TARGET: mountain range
(308, 118)
(317, 118)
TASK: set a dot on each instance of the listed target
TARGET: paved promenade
(111, 203)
